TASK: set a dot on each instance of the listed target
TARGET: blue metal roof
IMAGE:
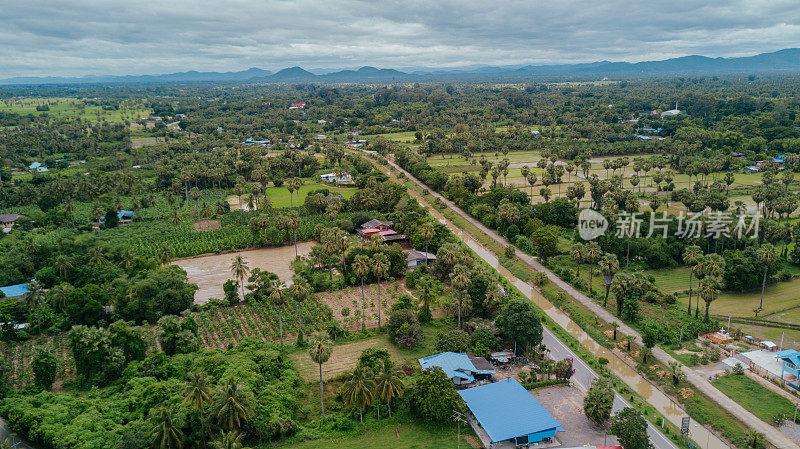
(454, 364)
(790, 355)
(13, 291)
(507, 410)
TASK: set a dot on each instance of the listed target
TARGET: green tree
(592, 254)
(609, 265)
(359, 390)
(630, 428)
(362, 266)
(166, 432)
(320, 351)
(388, 384)
(44, 367)
(691, 257)
(232, 406)
(434, 396)
(599, 401)
(380, 268)
(278, 298)
(197, 395)
(520, 321)
(766, 255)
(240, 269)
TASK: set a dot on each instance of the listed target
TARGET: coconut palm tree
(63, 266)
(766, 254)
(388, 384)
(166, 434)
(359, 390)
(380, 268)
(166, 254)
(691, 257)
(362, 265)
(228, 440)
(232, 406)
(35, 300)
(609, 265)
(677, 374)
(240, 269)
(278, 298)
(197, 394)
(320, 351)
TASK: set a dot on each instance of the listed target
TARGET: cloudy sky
(78, 37)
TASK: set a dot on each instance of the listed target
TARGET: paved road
(774, 436)
(13, 440)
(583, 378)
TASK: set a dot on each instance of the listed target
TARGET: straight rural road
(584, 374)
(772, 434)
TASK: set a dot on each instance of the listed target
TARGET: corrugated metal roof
(507, 410)
(13, 291)
(454, 364)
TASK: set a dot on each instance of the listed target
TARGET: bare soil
(206, 225)
(210, 271)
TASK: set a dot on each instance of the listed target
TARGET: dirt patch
(209, 272)
(344, 358)
(566, 405)
(350, 299)
(206, 225)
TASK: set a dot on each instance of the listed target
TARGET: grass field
(75, 108)
(754, 397)
(403, 436)
(279, 196)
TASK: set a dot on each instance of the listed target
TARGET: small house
(416, 258)
(457, 366)
(7, 221)
(336, 177)
(790, 369)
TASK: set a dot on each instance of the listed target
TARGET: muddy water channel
(704, 438)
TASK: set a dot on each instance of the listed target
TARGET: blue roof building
(457, 366)
(790, 371)
(507, 411)
(13, 291)
(780, 159)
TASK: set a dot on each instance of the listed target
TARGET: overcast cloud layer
(79, 37)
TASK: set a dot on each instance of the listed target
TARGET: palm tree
(166, 433)
(766, 254)
(58, 296)
(166, 254)
(389, 385)
(35, 300)
(63, 266)
(460, 282)
(228, 440)
(609, 265)
(301, 291)
(708, 291)
(691, 257)
(577, 256)
(239, 269)
(362, 266)
(427, 232)
(380, 268)
(197, 393)
(359, 390)
(591, 255)
(232, 406)
(320, 351)
(278, 299)
(676, 372)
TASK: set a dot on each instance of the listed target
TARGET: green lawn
(279, 196)
(74, 107)
(754, 397)
(406, 437)
(403, 136)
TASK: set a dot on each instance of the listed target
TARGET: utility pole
(459, 418)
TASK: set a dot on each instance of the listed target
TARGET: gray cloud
(47, 37)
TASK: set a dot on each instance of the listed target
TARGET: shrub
(454, 340)
(44, 368)
(404, 328)
(484, 340)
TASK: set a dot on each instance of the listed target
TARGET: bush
(231, 289)
(44, 366)
(373, 358)
(484, 340)
(454, 340)
(404, 328)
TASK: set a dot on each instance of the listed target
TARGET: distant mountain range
(782, 61)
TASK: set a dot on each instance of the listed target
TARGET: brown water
(704, 438)
(209, 272)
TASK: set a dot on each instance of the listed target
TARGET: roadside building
(416, 258)
(457, 366)
(506, 411)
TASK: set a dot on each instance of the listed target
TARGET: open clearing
(209, 272)
(344, 358)
(397, 437)
(279, 196)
